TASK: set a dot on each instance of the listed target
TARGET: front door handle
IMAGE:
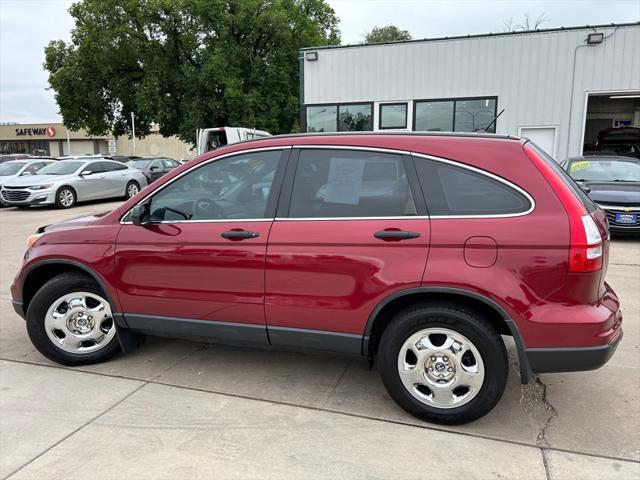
(395, 234)
(239, 234)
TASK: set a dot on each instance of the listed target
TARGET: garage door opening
(612, 124)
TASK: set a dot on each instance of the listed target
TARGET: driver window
(235, 187)
(94, 167)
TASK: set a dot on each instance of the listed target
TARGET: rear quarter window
(452, 190)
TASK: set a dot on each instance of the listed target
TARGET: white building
(559, 87)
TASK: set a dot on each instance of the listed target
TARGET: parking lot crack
(535, 403)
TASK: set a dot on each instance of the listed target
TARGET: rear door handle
(239, 234)
(395, 234)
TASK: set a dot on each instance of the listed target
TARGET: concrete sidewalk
(176, 409)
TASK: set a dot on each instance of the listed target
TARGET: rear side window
(566, 178)
(342, 183)
(457, 191)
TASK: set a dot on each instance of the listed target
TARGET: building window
(355, 117)
(322, 118)
(456, 115)
(393, 115)
(434, 116)
(339, 118)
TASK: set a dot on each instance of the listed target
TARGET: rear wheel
(65, 198)
(70, 322)
(443, 363)
(132, 189)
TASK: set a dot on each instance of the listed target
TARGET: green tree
(185, 64)
(388, 33)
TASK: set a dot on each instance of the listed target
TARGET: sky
(26, 26)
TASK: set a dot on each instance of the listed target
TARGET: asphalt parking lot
(176, 409)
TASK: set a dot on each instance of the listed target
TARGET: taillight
(585, 253)
(585, 249)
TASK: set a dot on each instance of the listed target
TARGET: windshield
(139, 164)
(605, 170)
(10, 168)
(65, 167)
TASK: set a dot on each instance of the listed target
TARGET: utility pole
(68, 143)
(133, 131)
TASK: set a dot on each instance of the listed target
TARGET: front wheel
(131, 190)
(443, 363)
(70, 322)
(65, 198)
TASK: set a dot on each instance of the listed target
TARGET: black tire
(64, 191)
(131, 183)
(461, 320)
(36, 312)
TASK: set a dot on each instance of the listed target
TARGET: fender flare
(525, 370)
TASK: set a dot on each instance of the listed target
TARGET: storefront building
(55, 140)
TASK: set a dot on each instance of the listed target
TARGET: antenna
(492, 121)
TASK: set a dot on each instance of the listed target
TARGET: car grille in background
(14, 195)
(611, 214)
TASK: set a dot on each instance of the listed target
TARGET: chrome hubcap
(132, 191)
(66, 198)
(80, 322)
(441, 368)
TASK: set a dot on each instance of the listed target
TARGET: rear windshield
(580, 193)
(216, 139)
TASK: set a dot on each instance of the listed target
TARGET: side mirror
(86, 173)
(154, 168)
(26, 172)
(140, 215)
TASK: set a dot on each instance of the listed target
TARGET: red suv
(416, 251)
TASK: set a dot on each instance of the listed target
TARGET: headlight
(41, 187)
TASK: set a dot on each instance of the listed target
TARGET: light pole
(133, 132)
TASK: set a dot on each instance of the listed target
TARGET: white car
(66, 182)
(19, 168)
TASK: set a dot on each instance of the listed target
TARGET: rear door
(115, 178)
(351, 229)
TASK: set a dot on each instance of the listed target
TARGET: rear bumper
(571, 359)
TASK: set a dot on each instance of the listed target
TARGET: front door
(201, 260)
(353, 232)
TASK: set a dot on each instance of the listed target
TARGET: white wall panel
(530, 73)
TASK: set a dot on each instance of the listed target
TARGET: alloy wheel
(132, 190)
(66, 197)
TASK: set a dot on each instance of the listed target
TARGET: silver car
(18, 168)
(66, 182)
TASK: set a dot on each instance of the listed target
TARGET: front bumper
(19, 197)
(19, 308)
(571, 359)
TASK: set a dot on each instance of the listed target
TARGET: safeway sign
(34, 132)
